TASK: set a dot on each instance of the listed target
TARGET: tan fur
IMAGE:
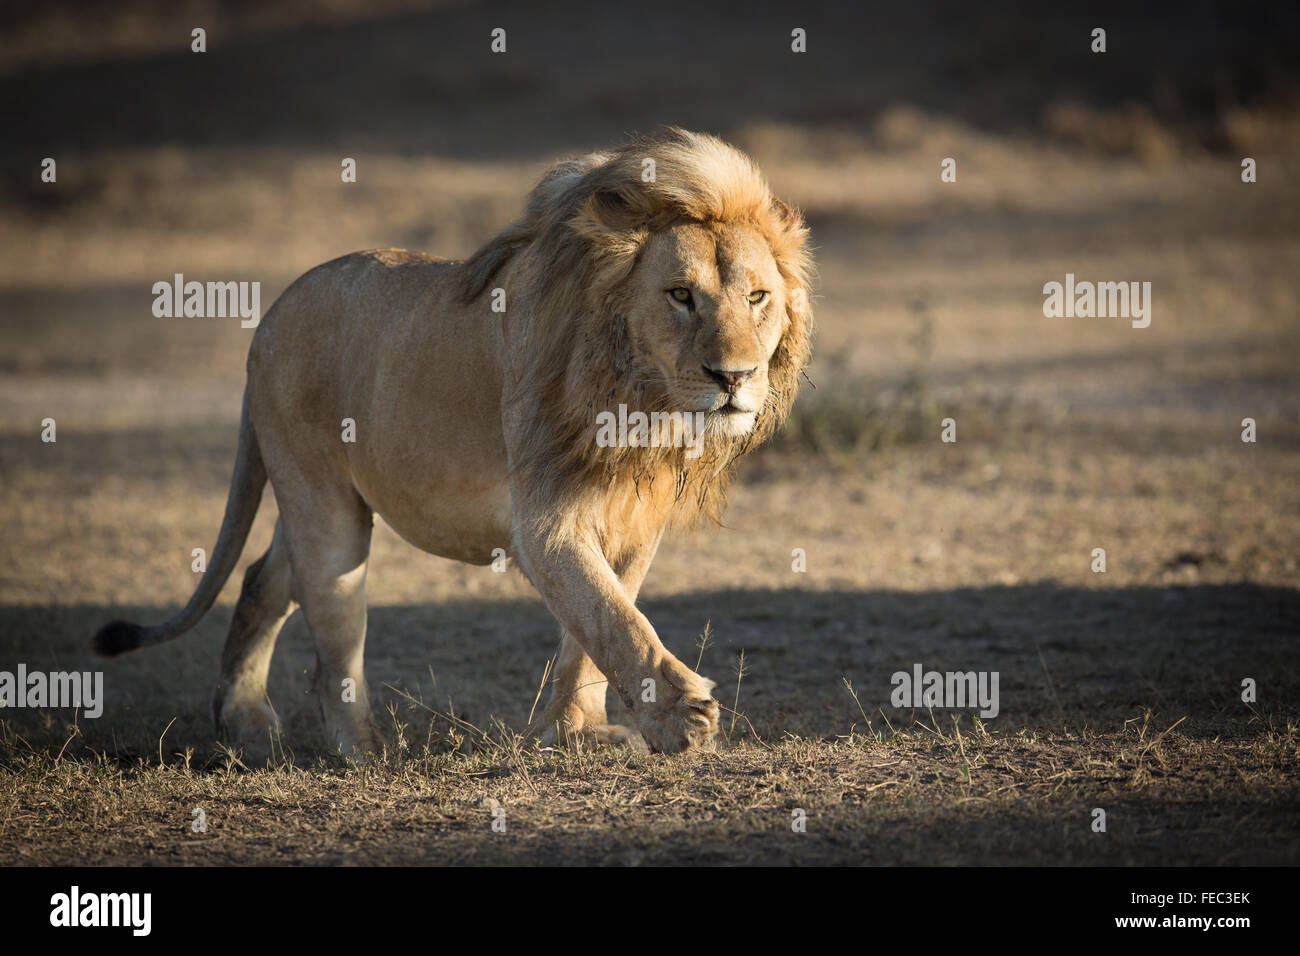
(475, 429)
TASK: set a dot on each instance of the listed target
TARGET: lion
(661, 276)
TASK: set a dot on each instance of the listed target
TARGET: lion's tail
(241, 508)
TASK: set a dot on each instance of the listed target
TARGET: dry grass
(917, 795)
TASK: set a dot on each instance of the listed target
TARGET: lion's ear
(610, 210)
(786, 215)
(615, 227)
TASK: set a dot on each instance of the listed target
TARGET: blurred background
(1073, 434)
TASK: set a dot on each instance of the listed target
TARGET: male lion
(678, 286)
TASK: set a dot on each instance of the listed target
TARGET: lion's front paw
(684, 716)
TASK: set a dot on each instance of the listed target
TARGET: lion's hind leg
(240, 707)
(329, 544)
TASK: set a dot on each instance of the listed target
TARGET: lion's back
(345, 302)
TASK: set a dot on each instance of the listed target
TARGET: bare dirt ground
(1119, 690)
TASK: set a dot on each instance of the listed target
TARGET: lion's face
(706, 316)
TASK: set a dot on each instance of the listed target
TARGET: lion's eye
(682, 295)
(757, 296)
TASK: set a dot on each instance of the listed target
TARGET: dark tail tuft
(118, 638)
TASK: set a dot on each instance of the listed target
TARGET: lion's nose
(729, 379)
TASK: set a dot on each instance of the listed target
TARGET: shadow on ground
(1072, 657)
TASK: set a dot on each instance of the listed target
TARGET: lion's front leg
(671, 704)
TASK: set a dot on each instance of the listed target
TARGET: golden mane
(569, 255)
